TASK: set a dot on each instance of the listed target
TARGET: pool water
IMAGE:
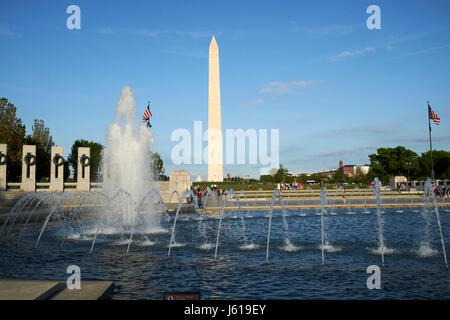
(294, 271)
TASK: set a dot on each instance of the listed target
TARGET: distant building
(350, 169)
(364, 168)
(199, 179)
(328, 173)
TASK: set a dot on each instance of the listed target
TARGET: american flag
(147, 114)
(433, 116)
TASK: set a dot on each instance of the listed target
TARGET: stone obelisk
(215, 156)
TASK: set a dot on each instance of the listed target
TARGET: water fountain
(61, 225)
(325, 226)
(181, 199)
(70, 216)
(425, 249)
(382, 248)
(256, 198)
(339, 189)
(323, 200)
(247, 243)
(129, 199)
(351, 197)
(288, 246)
(126, 160)
(365, 210)
(397, 208)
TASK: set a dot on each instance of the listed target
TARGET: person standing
(199, 199)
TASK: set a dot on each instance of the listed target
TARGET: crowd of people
(200, 194)
(289, 186)
(441, 191)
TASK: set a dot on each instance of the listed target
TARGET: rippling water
(294, 271)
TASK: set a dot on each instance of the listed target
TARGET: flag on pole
(433, 116)
(147, 114)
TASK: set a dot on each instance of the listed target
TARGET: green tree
(96, 156)
(441, 165)
(266, 178)
(389, 162)
(318, 177)
(289, 178)
(302, 178)
(163, 177)
(41, 137)
(338, 177)
(281, 174)
(158, 167)
(12, 132)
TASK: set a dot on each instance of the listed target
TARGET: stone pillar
(83, 169)
(180, 181)
(28, 168)
(3, 163)
(57, 169)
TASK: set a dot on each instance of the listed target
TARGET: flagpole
(431, 146)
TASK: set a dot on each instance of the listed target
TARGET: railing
(46, 185)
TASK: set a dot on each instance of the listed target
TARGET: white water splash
(251, 246)
(329, 248)
(177, 245)
(207, 246)
(290, 247)
(126, 164)
(425, 250)
(146, 243)
(382, 250)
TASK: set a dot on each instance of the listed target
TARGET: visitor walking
(199, 199)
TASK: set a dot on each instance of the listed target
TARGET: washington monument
(215, 156)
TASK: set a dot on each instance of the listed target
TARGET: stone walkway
(54, 290)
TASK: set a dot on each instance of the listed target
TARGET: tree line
(13, 133)
(384, 164)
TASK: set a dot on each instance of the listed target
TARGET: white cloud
(346, 54)
(254, 103)
(381, 129)
(425, 139)
(304, 83)
(425, 50)
(340, 152)
(278, 87)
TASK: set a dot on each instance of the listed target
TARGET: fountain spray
(377, 190)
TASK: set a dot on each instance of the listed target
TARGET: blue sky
(312, 69)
